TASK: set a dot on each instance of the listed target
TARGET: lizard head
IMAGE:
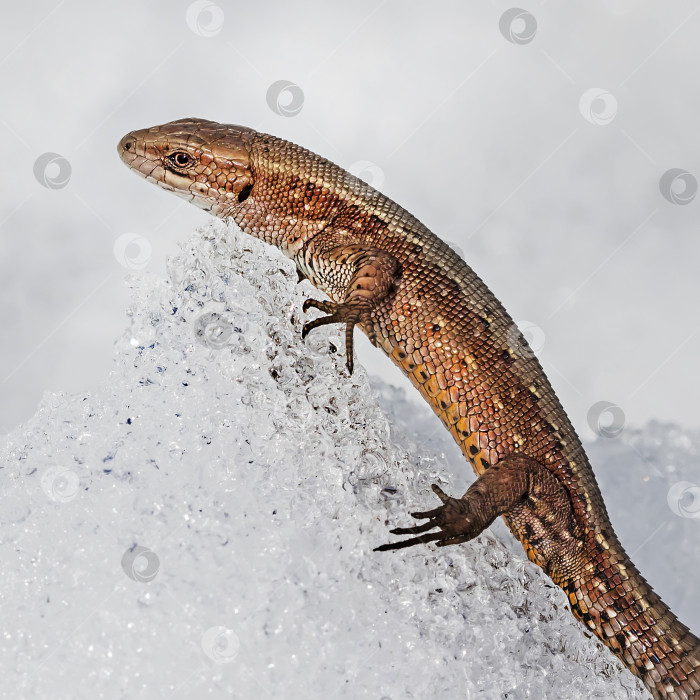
(207, 163)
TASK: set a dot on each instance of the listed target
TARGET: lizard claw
(453, 518)
(328, 307)
(347, 312)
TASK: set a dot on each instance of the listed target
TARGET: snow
(202, 525)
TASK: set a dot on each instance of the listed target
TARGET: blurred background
(555, 146)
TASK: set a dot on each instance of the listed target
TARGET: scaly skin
(418, 301)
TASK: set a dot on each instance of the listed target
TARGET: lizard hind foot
(517, 486)
(457, 522)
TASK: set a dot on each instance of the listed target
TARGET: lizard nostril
(128, 144)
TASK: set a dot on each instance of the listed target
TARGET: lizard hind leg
(536, 505)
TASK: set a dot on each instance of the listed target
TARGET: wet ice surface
(203, 525)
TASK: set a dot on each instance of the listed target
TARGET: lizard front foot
(350, 313)
(373, 276)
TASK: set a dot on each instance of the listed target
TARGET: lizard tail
(623, 610)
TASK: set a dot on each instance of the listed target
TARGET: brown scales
(418, 301)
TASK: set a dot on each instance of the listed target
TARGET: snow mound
(203, 525)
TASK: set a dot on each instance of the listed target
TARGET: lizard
(416, 299)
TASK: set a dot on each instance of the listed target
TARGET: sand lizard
(417, 300)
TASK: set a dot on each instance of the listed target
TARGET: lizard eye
(181, 159)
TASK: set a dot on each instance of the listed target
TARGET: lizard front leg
(363, 277)
(533, 500)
